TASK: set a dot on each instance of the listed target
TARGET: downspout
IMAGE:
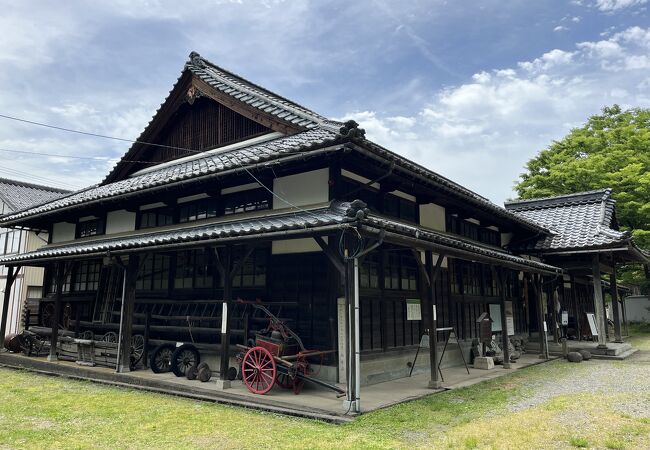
(357, 343)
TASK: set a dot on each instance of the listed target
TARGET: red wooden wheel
(258, 370)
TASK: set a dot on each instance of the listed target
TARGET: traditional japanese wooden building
(587, 243)
(27, 283)
(233, 192)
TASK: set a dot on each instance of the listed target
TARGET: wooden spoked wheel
(284, 380)
(47, 315)
(258, 370)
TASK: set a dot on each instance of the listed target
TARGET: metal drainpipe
(118, 364)
(357, 343)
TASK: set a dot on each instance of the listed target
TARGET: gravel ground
(630, 376)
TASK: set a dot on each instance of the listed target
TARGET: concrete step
(618, 357)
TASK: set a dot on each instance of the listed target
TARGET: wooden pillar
(60, 275)
(131, 275)
(505, 341)
(598, 302)
(429, 314)
(147, 327)
(617, 316)
(226, 281)
(12, 272)
(537, 286)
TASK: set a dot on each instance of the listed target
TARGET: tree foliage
(611, 150)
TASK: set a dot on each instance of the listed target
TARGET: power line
(35, 178)
(58, 155)
(103, 136)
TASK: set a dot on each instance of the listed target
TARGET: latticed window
(154, 274)
(253, 272)
(369, 272)
(194, 269)
(197, 210)
(400, 208)
(86, 276)
(90, 228)
(156, 218)
(400, 272)
(246, 201)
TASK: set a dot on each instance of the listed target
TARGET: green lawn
(45, 412)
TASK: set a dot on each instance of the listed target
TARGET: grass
(638, 333)
(46, 412)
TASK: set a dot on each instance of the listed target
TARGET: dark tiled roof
(203, 165)
(333, 215)
(252, 94)
(20, 195)
(454, 188)
(578, 221)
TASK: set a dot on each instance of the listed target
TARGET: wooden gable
(194, 117)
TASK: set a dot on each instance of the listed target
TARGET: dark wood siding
(204, 125)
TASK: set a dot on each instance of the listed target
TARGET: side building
(27, 283)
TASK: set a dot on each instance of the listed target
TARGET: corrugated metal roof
(338, 213)
(578, 221)
(20, 195)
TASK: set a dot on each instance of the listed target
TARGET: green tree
(611, 150)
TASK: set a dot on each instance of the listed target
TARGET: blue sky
(471, 89)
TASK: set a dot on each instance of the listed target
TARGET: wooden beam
(12, 272)
(334, 259)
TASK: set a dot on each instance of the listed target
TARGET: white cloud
(614, 5)
(560, 28)
(547, 60)
(482, 132)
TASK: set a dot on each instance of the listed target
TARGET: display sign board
(413, 309)
(495, 315)
(565, 318)
(591, 318)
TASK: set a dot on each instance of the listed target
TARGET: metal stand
(424, 343)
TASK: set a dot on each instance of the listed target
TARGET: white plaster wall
(62, 231)
(302, 189)
(636, 308)
(433, 216)
(120, 221)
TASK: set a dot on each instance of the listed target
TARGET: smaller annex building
(236, 204)
(26, 283)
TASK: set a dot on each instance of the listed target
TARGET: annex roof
(580, 221)
(303, 222)
(20, 195)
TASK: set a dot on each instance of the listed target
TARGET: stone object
(574, 357)
(586, 355)
(484, 363)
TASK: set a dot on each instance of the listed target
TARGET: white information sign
(565, 318)
(495, 315)
(435, 313)
(413, 309)
(224, 316)
(591, 318)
